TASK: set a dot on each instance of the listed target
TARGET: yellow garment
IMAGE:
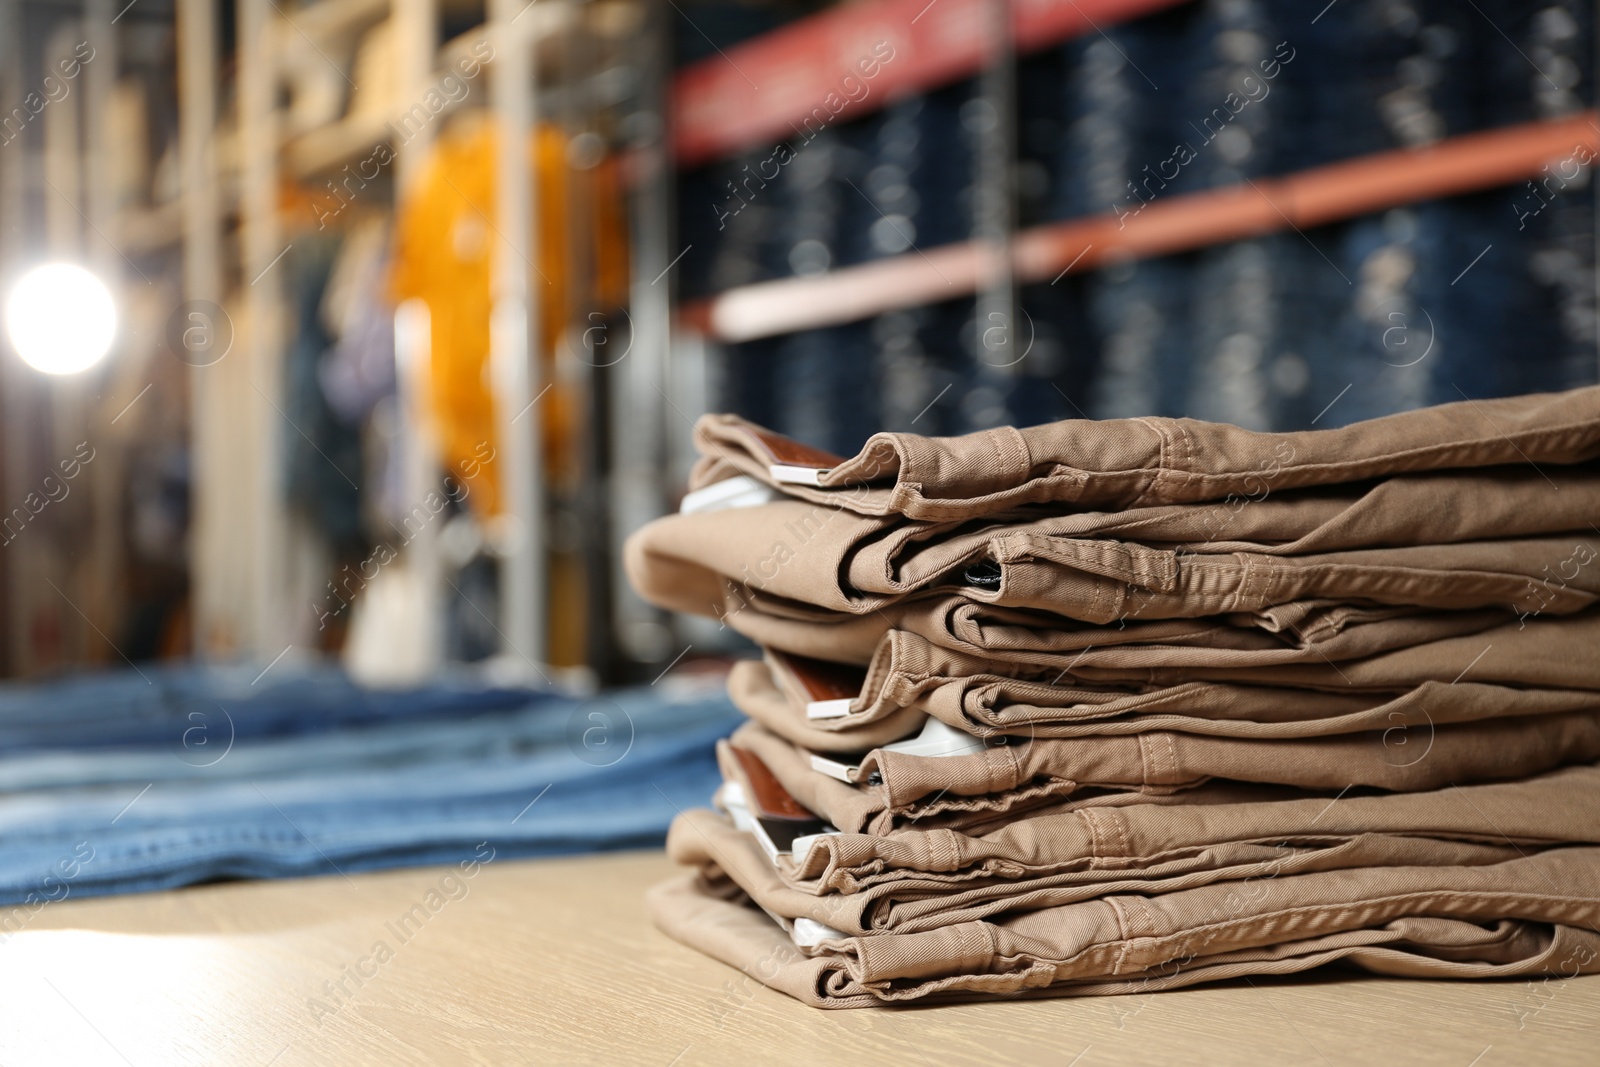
(444, 251)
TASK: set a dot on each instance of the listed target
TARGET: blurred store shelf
(766, 88)
(1162, 226)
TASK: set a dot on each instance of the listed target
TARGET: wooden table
(555, 962)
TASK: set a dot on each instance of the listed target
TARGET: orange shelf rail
(764, 90)
(1310, 198)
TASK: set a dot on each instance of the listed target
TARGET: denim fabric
(906, 373)
(823, 382)
(548, 776)
(156, 705)
(943, 183)
(1127, 97)
(1381, 325)
(1041, 128)
(1266, 333)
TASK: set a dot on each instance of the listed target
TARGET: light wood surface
(555, 962)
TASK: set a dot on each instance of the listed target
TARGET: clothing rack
(243, 540)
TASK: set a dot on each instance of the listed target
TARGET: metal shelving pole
(417, 36)
(65, 398)
(13, 373)
(996, 325)
(99, 80)
(105, 483)
(55, 176)
(640, 386)
(256, 372)
(514, 332)
(213, 597)
(417, 33)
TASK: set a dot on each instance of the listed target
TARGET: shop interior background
(361, 387)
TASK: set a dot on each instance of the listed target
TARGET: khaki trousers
(1126, 463)
(1446, 542)
(922, 880)
(1531, 916)
(896, 790)
(1539, 669)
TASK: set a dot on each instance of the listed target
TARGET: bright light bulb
(61, 318)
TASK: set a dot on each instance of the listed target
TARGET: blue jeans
(160, 703)
(551, 775)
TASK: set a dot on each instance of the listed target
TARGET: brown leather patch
(819, 679)
(771, 798)
(790, 453)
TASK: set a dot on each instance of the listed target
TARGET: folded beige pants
(1125, 463)
(1297, 632)
(1539, 668)
(1506, 542)
(1556, 807)
(865, 884)
(897, 790)
(1528, 916)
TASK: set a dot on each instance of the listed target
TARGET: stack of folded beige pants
(1208, 702)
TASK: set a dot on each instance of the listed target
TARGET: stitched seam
(1144, 908)
(1186, 443)
(1178, 467)
(1429, 457)
(1343, 913)
(1012, 447)
(1163, 448)
(1122, 956)
(1119, 828)
(995, 764)
(993, 439)
(1110, 599)
(1115, 904)
(1086, 817)
(1260, 582)
(1172, 757)
(1014, 760)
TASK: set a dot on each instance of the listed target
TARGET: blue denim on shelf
(1280, 332)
